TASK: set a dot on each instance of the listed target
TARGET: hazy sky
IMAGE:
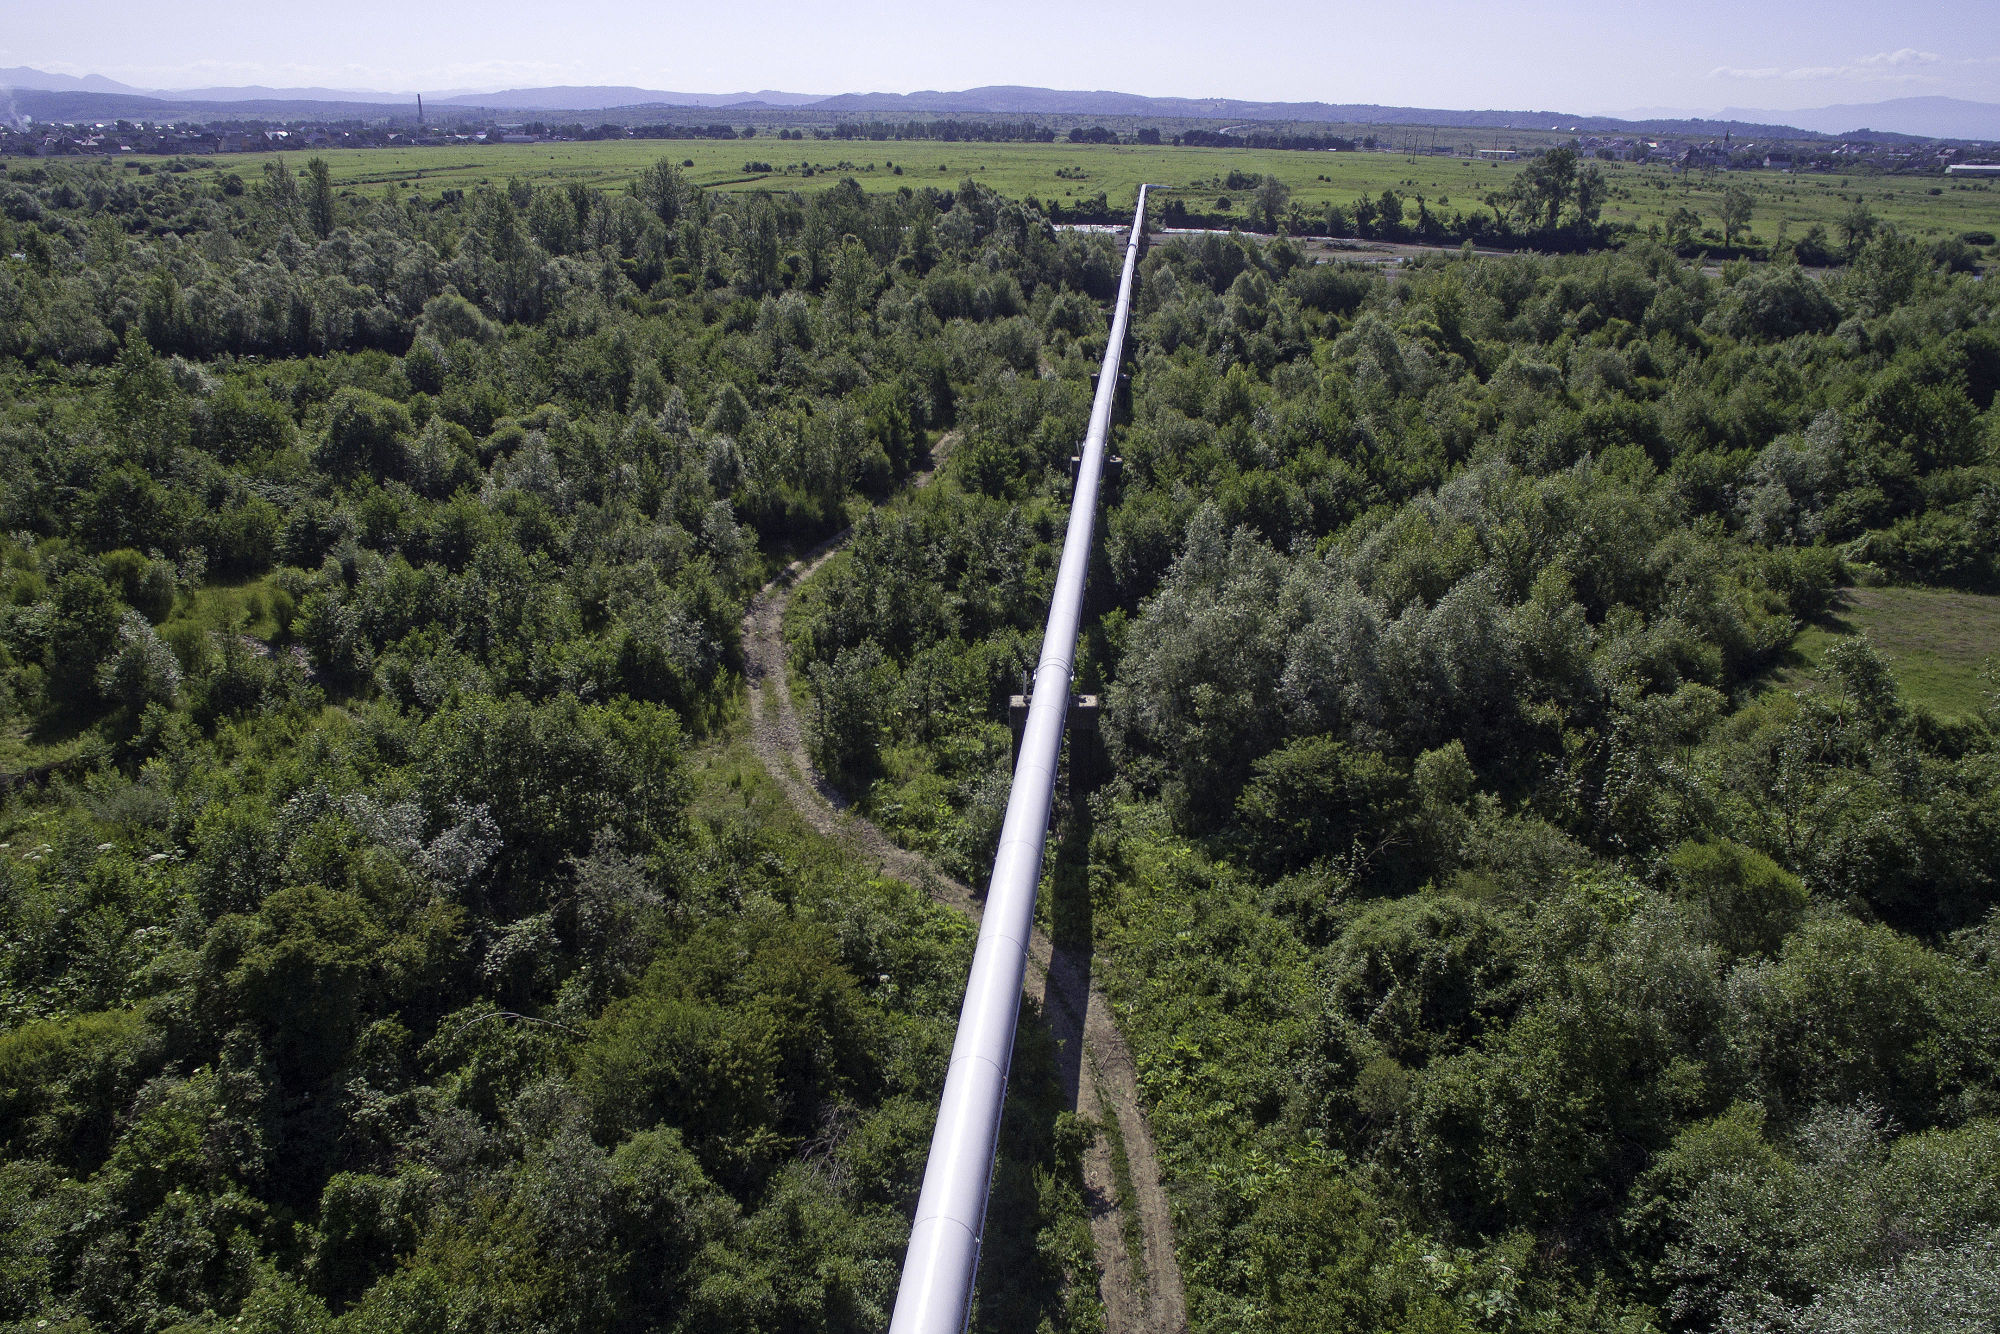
(1591, 56)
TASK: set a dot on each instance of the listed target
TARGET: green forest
(390, 938)
(1531, 905)
(1503, 950)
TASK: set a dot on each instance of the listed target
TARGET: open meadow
(1642, 195)
(1942, 644)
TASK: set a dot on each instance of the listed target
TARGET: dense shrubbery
(373, 950)
(1500, 952)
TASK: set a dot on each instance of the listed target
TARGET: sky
(1585, 56)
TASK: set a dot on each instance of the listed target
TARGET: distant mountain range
(601, 99)
(594, 98)
(1928, 117)
(65, 97)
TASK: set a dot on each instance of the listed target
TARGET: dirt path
(1100, 1076)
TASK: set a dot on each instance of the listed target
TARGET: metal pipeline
(936, 1292)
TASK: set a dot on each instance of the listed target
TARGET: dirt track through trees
(1100, 1078)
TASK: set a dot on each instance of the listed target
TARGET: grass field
(1938, 642)
(1930, 206)
(245, 607)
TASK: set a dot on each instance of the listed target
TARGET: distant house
(1973, 169)
(1497, 154)
(1778, 161)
